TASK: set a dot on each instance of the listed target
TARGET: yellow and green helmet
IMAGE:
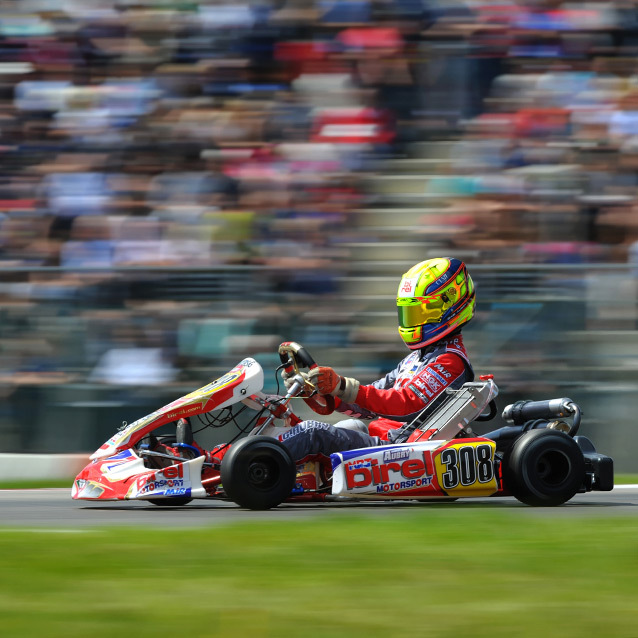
(435, 298)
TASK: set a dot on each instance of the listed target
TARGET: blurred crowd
(183, 182)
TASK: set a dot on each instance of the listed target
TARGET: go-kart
(536, 456)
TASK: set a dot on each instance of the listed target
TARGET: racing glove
(327, 381)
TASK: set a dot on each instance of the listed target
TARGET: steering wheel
(294, 356)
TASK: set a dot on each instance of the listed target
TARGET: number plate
(466, 468)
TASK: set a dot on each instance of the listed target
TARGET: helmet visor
(417, 311)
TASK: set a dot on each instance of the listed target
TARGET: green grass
(427, 572)
(36, 484)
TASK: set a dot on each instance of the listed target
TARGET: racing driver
(435, 300)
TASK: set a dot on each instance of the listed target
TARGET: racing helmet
(435, 298)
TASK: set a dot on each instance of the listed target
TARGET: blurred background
(186, 183)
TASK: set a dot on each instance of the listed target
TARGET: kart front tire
(258, 473)
(544, 468)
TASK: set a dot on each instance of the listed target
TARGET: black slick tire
(544, 468)
(258, 473)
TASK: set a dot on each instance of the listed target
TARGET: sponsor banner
(463, 467)
(406, 470)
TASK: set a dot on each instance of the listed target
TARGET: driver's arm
(447, 370)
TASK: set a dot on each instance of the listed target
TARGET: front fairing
(123, 476)
(244, 380)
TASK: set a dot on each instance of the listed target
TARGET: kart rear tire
(258, 473)
(173, 501)
(544, 468)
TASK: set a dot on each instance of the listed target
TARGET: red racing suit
(418, 383)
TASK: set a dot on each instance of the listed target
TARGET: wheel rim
(553, 468)
(262, 473)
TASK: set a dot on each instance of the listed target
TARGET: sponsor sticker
(408, 287)
(390, 475)
(436, 375)
(169, 478)
(397, 454)
(441, 280)
(425, 396)
(433, 382)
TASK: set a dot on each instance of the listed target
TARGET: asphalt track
(54, 510)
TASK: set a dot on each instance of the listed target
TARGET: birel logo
(368, 472)
(407, 287)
